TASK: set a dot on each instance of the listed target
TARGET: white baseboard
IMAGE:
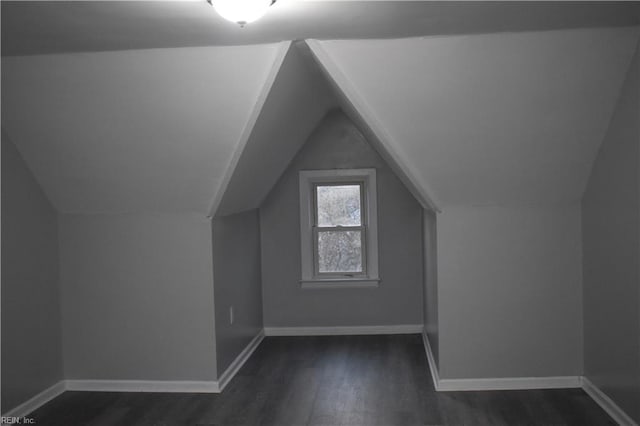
(590, 389)
(431, 360)
(237, 363)
(509, 383)
(177, 386)
(344, 331)
(607, 403)
(498, 383)
(37, 401)
(506, 383)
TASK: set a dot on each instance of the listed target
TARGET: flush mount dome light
(241, 11)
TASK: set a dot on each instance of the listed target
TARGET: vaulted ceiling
(298, 99)
(134, 131)
(489, 119)
(511, 117)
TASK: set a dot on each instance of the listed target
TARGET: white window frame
(311, 278)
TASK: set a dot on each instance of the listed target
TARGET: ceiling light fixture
(241, 12)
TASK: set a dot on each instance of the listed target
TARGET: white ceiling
(133, 131)
(31, 27)
(512, 118)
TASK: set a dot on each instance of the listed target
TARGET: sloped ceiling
(505, 118)
(512, 118)
(298, 99)
(134, 131)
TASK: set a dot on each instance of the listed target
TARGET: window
(338, 226)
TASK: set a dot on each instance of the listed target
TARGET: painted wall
(430, 251)
(611, 233)
(137, 297)
(337, 143)
(236, 272)
(31, 338)
(473, 127)
(297, 101)
(135, 130)
(509, 292)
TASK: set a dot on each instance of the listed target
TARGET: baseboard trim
(441, 385)
(523, 383)
(509, 383)
(177, 386)
(344, 331)
(433, 368)
(607, 403)
(499, 383)
(237, 363)
(37, 401)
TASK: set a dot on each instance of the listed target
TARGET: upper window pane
(338, 205)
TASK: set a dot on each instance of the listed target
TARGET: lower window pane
(340, 251)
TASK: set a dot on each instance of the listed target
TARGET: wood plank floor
(332, 381)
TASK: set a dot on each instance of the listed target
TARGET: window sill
(340, 283)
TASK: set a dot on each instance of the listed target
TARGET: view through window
(339, 230)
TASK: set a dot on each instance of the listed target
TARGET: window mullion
(338, 228)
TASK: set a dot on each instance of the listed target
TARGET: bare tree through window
(339, 235)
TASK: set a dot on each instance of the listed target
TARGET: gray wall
(335, 144)
(137, 297)
(509, 291)
(611, 233)
(430, 251)
(236, 272)
(31, 338)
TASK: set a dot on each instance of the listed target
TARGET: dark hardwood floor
(339, 380)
